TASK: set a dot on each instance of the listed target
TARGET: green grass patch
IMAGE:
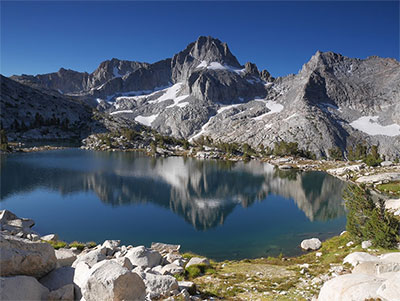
(393, 187)
(77, 244)
(56, 244)
(91, 244)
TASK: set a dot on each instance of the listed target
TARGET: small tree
(369, 221)
(335, 153)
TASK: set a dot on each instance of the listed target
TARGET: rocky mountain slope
(28, 114)
(334, 101)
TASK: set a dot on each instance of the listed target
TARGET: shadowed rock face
(204, 193)
(334, 101)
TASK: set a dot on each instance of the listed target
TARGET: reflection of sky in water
(220, 209)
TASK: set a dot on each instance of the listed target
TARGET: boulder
(124, 262)
(24, 257)
(350, 287)
(366, 244)
(64, 293)
(50, 237)
(81, 275)
(197, 260)
(357, 257)
(110, 281)
(311, 244)
(187, 285)
(111, 245)
(390, 289)
(157, 270)
(58, 278)
(171, 257)
(391, 257)
(159, 285)
(92, 257)
(6, 215)
(386, 163)
(143, 257)
(22, 288)
(171, 269)
(65, 257)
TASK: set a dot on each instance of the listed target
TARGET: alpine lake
(219, 209)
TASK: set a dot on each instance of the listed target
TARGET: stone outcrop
(110, 281)
(20, 256)
(143, 257)
(373, 278)
(22, 288)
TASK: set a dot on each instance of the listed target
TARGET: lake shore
(169, 275)
(383, 179)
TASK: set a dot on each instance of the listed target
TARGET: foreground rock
(373, 278)
(65, 257)
(351, 287)
(159, 285)
(22, 288)
(143, 257)
(14, 225)
(23, 257)
(311, 244)
(110, 281)
(197, 260)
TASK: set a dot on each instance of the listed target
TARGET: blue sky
(41, 37)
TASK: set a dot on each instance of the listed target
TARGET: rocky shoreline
(337, 269)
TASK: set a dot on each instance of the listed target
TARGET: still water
(221, 210)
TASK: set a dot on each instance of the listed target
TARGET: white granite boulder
(172, 269)
(357, 257)
(311, 244)
(350, 287)
(20, 256)
(92, 257)
(197, 260)
(22, 288)
(65, 257)
(109, 281)
(143, 257)
(390, 289)
(158, 286)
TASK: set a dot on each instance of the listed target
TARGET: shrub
(77, 244)
(56, 244)
(369, 221)
(335, 153)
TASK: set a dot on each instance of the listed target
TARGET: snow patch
(370, 126)
(178, 103)
(168, 93)
(203, 64)
(224, 108)
(146, 120)
(273, 106)
(351, 69)
(120, 112)
(291, 116)
(219, 66)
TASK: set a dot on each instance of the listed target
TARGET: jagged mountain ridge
(203, 90)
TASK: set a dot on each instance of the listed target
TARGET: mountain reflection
(204, 193)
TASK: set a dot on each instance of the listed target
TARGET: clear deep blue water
(221, 210)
